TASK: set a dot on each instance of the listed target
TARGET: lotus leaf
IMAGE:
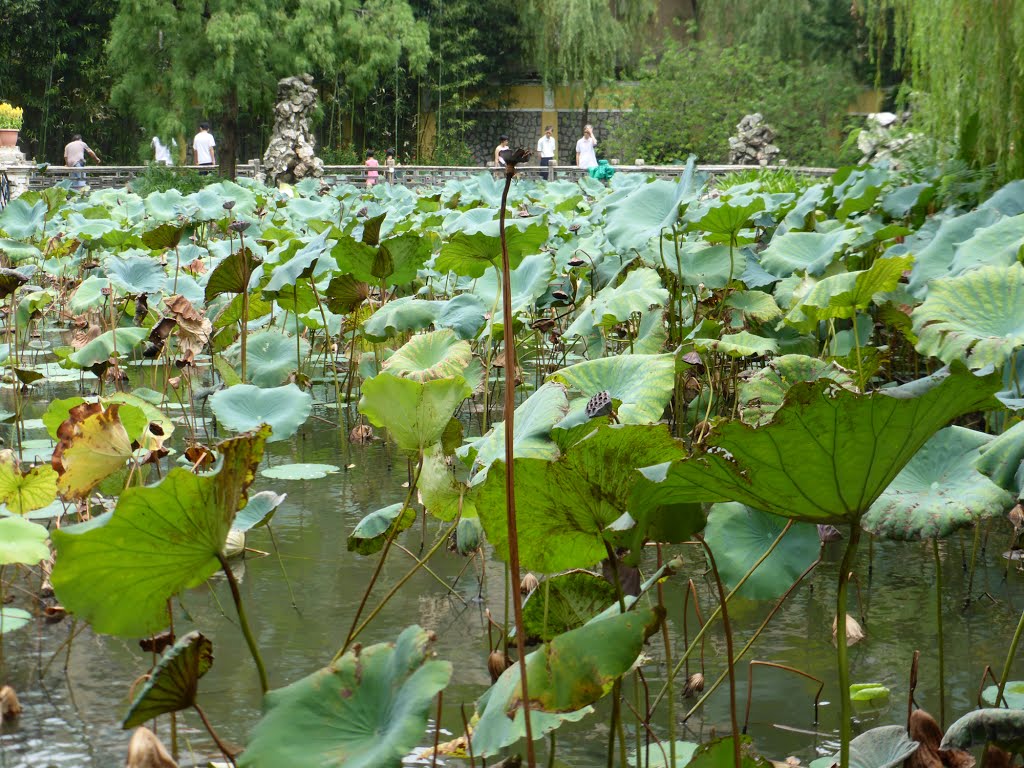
(162, 237)
(114, 343)
(647, 210)
(22, 542)
(761, 395)
(900, 202)
(720, 753)
(88, 295)
(12, 619)
(858, 191)
(429, 356)
(118, 570)
(529, 282)
(406, 255)
(800, 252)
(24, 492)
(368, 709)
(174, 682)
(345, 293)
(299, 471)
(884, 747)
(405, 314)
(135, 414)
(642, 383)
(932, 258)
(843, 294)
(938, 491)
(640, 291)
(1003, 727)
(415, 413)
(567, 507)
(233, 274)
(308, 262)
(465, 314)
(1008, 199)
(828, 453)
(271, 357)
(258, 511)
(1013, 695)
(440, 492)
(724, 220)
(244, 407)
(564, 678)
(22, 220)
(756, 305)
(93, 445)
(742, 344)
(703, 264)
(371, 533)
(472, 255)
(1000, 459)
(565, 602)
(977, 317)
(996, 245)
(739, 536)
(135, 274)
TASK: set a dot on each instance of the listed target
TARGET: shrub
(160, 178)
(691, 101)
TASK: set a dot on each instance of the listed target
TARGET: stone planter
(8, 137)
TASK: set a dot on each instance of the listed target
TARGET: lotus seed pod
(599, 405)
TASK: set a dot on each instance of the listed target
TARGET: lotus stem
(510, 489)
(213, 734)
(938, 628)
(842, 660)
(730, 659)
(1009, 658)
(667, 640)
(254, 649)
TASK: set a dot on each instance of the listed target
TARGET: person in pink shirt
(372, 164)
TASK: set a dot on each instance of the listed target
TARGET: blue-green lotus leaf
(401, 315)
(258, 510)
(805, 252)
(529, 282)
(22, 220)
(641, 290)
(372, 532)
(465, 314)
(762, 393)
(1003, 727)
(884, 747)
(244, 407)
(932, 257)
(472, 255)
(22, 542)
(415, 413)
(647, 210)
(271, 357)
(369, 709)
(1013, 695)
(900, 202)
(135, 274)
(299, 471)
(432, 355)
(642, 383)
(703, 264)
(116, 343)
(996, 245)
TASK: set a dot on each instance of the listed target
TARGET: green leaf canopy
(367, 709)
(118, 570)
(828, 453)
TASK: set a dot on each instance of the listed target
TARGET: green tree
(180, 61)
(965, 65)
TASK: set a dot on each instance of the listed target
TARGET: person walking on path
(499, 161)
(74, 157)
(371, 163)
(546, 150)
(202, 146)
(586, 157)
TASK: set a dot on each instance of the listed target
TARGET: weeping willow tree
(584, 43)
(966, 66)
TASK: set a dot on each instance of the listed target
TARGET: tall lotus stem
(510, 489)
(1009, 659)
(938, 623)
(254, 648)
(845, 708)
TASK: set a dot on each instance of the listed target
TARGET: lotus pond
(256, 476)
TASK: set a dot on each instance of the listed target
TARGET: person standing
(389, 162)
(499, 161)
(161, 152)
(202, 146)
(372, 164)
(546, 150)
(74, 157)
(586, 156)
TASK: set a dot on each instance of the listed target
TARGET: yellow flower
(10, 116)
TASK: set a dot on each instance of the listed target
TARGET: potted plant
(10, 124)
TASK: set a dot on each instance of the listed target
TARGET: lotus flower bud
(694, 685)
(146, 751)
(497, 663)
(528, 584)
(9, 706)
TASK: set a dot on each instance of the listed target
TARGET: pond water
(71, 716)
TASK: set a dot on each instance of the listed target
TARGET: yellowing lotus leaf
(24, 492)
(93, 445)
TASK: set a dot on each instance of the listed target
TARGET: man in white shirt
(202, 146)
(586, 157)
(546, 150)
(161, 152)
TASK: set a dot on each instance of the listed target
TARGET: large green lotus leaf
(164, 206)
(703, 264)
(22, 541)
(135, 274)
(761, 395)
(465, 314)
(1000, 459)
(742, 344)
(308, 262)
(118, 570)
(647, 210)
(529, 282)
(809, 252)
(857, 192)
(88, 295)
(977, 317)
(531, 430)
(368, 709)
(399, 316)
(1013, 695)
(354, 258)
(162, 237)
(996, 245)
(371, 533)
(1003, 727)
(271, 357)
(843, 294)
(244, 407)
(136, 414)
(31, 306)
(233, 274)
(565, 508)
(429, 356)
(721, 753)
(440, 492)
(565, 602)
(723, 220)
(472, 255)
(901, 201)
(22, 220)
(739, 535)
(932, 258)
(116, 343)
(641, 290)
(642, 383)
(24, 492)
(415, 413)
(755, 305)
(16, 251)
(174, 682)
(828, 453)
(883, 747)
(407, 254)
(564, 677)
(938, 492)
(345, 293)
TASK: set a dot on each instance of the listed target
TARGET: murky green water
(72, 718)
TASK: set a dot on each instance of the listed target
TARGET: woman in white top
(502, 145)
(586, 157)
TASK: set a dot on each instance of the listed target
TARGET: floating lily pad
(299, 471)
(12, 619)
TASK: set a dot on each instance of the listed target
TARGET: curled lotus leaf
(174, 682)
(1003, 727)
(428, 356)
(93, 445)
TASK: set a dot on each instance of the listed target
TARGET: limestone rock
(291, 154)
(752, 144)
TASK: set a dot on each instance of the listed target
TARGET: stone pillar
(291, 154)
(18, 169)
